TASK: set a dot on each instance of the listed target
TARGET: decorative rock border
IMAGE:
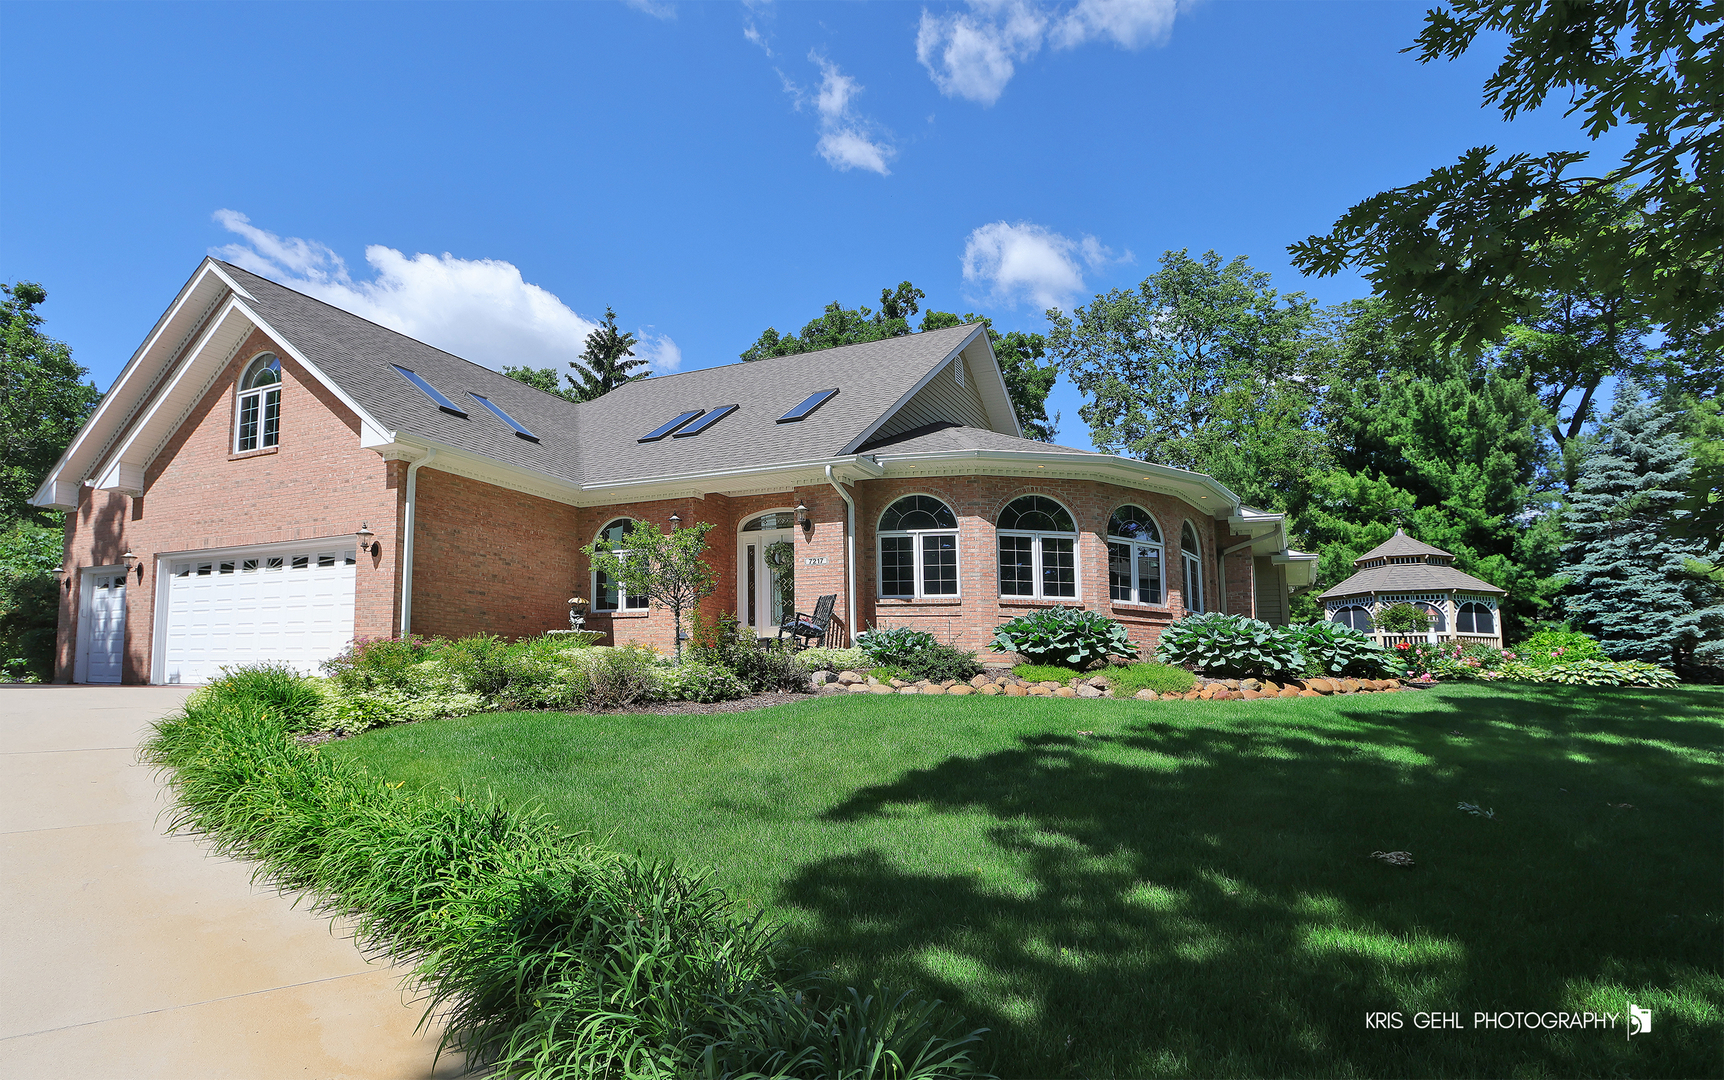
(997, 682)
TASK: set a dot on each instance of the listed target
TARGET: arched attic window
(918, 548)
(258, 420)
(1134, 574)
(1191, 562)
(1038, 549)
(609, 595)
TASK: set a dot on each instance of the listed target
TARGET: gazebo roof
(1400, 544)
(1410, 578)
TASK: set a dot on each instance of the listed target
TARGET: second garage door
(290, 606)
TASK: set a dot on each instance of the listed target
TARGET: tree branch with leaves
(667, 568)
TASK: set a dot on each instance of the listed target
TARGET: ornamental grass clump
(1230, 646)
(1068, 636)
(1131, 679)
(541, 955)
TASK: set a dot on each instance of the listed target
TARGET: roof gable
(1400, 544)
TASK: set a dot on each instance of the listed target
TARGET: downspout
(407, 542)
(849, 556)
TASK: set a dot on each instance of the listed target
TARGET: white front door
(766, 594)
(102, 629)
(290, 606)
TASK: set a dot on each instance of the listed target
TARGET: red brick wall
(490, 560)
(977, 500)
(1241, 583)
(198, 494)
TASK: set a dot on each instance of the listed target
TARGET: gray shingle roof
(1400, 544)
(932, 438)
(597, 441)
(1409, 577)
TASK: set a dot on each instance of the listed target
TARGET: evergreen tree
(606, 362)
(1631, 581)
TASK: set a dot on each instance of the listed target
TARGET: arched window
(1439, 617)
(259, 422)
(1191, 561)
(1353, 615)
(608, 595)
(918, 548)
(1038, 549)
(1134, 557)
(1475, 619)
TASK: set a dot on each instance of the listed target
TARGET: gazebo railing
(1435, 637)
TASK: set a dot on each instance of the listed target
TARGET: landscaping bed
(1098, 685)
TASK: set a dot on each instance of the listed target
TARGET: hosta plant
(1231, 646)
(1606, 673)
(893, 645)
(1061, 635)
(1333, 649)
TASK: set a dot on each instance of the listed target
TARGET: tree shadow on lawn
(1198, 898)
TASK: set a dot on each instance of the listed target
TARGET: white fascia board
(1301, 566)
(1110, 468)
(926, 378)
(369, 428)
(460, 461)
(848, 468)
(1267, 531)
(113, 412)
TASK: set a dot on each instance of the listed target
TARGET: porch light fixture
(676, 521)
(368, 540)
(802, 517)
(130, 559)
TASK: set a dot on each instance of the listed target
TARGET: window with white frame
(1475, 619)
(609, 595)
(918, 546)
(1038, 549)
(258, 424)
(1134, 557)
(1191, 562)
(1353, 615)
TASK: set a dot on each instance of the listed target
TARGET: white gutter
(849, 557)
(407, 542)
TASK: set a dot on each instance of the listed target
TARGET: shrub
(540, 957)
(351, 711)
(1593, 673)
(1403, 618)
(693, 680)
(819, 659)
(1230, 646)
(765, 668)
(1149, 675)
(1063, 635)
(533, 673)
(615, 678)
(939, 662)
(369, 663)
(1549, 647)
(893, 645)
(1333, 649)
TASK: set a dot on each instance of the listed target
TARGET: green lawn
(1122, 888)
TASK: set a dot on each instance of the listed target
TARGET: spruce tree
(1630, 583)
(606, 362)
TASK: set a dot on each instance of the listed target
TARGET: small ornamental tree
(1403, 619)
(1630, 584)
(667, 568)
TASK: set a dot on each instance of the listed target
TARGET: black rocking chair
(813, 627)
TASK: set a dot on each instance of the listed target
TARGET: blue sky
(490, 177)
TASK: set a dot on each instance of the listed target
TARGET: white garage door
(293, 607)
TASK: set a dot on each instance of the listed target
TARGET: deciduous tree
(667, 568)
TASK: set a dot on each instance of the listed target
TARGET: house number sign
(814, 560)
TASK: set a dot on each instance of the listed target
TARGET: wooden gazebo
(1402, 570)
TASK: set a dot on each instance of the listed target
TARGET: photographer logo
(1639, 1020)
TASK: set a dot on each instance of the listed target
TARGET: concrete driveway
(126, 953)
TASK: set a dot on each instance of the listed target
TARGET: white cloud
(658, 9)
(1026, 262)
(479, 309)
(847, 139)
(973, 54)
(755, 37)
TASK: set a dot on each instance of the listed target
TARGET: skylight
(430, 391)
(711, 418)
(669, 426)
(503, 416)
(813, 401)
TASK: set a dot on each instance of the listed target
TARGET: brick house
(271, 477)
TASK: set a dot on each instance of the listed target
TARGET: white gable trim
(371, 432)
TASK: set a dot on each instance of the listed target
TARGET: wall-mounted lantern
(803, 519)
(368, 540)
(675, 522)
(134, 563)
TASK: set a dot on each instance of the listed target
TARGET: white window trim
(1161, 561)
(918, 580)
(261, 395)
(1036, 576)
(625, 599)
(1191, 557)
